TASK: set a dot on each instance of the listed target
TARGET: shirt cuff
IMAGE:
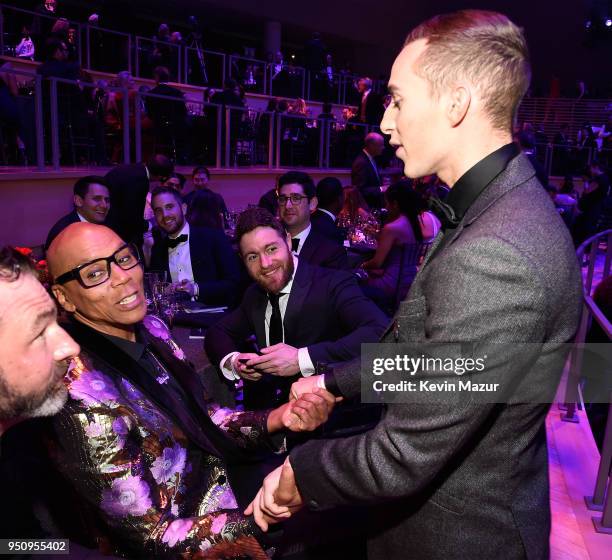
(305, 363)
(321, 382)
(229, 373)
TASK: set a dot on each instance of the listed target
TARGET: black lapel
(299, 290)
(309, 246)
(124, 366)
(258, 315)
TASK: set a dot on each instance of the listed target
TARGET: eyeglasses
(294, 198)
(98, 271)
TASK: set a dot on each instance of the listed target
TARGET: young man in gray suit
(464, 480)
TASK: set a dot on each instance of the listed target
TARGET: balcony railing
(106, 50)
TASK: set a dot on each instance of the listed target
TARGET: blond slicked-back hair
(482, 47)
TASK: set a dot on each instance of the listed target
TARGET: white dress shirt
(304, 362)
(179, 258)
(302, 238)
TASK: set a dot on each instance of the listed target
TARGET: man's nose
(387, 124)
(65, 347)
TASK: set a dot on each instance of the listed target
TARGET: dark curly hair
(257, 217)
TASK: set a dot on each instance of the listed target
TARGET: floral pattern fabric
(158, 494)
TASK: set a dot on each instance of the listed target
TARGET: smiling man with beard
(301, 315)
(200, 260)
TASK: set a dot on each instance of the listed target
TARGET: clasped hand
(304, 414)
(277, 499)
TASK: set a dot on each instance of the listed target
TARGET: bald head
(114, 305)
(374, 143)
(70, 247)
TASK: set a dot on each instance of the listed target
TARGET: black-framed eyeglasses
(294, 198)
(98, 271)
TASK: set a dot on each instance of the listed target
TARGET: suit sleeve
(356, 315)
(223, 290)
(230, 333)
(497, 297)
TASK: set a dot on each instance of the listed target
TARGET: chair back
(412, 256)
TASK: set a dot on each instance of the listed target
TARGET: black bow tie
(172, 243)
(444, 212)
(295, 244)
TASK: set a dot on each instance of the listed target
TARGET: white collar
(328, 213)
(82, 218)
(185, 231)
(303, 234)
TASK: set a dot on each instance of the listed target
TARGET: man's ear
(459, 102)
(313, 203)
(184, 208)
(62, 298)
(78, 201)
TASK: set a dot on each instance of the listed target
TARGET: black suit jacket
(325, 225)
(60, 225)
(215, 265)
(318, 250)
(128, 186)
(365, 178)
(374, 109)
(326, 312)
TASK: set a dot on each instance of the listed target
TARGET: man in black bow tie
(296, 201)
(200, 261)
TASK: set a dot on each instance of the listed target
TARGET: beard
(276, 286)
(36, 404)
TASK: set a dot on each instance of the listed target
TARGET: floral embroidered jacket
(157, 491)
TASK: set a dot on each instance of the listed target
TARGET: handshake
(309, 407)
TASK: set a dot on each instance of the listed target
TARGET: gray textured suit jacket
(466, 481)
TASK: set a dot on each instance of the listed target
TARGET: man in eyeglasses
(297, 200)
(158, 466)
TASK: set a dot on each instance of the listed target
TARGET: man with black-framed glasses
(157, 468)
(297, 200)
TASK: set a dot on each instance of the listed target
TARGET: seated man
(91, 199)
(200, 179)
(296, 200)
(200, 260)
(153, 464)
(300, 316)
